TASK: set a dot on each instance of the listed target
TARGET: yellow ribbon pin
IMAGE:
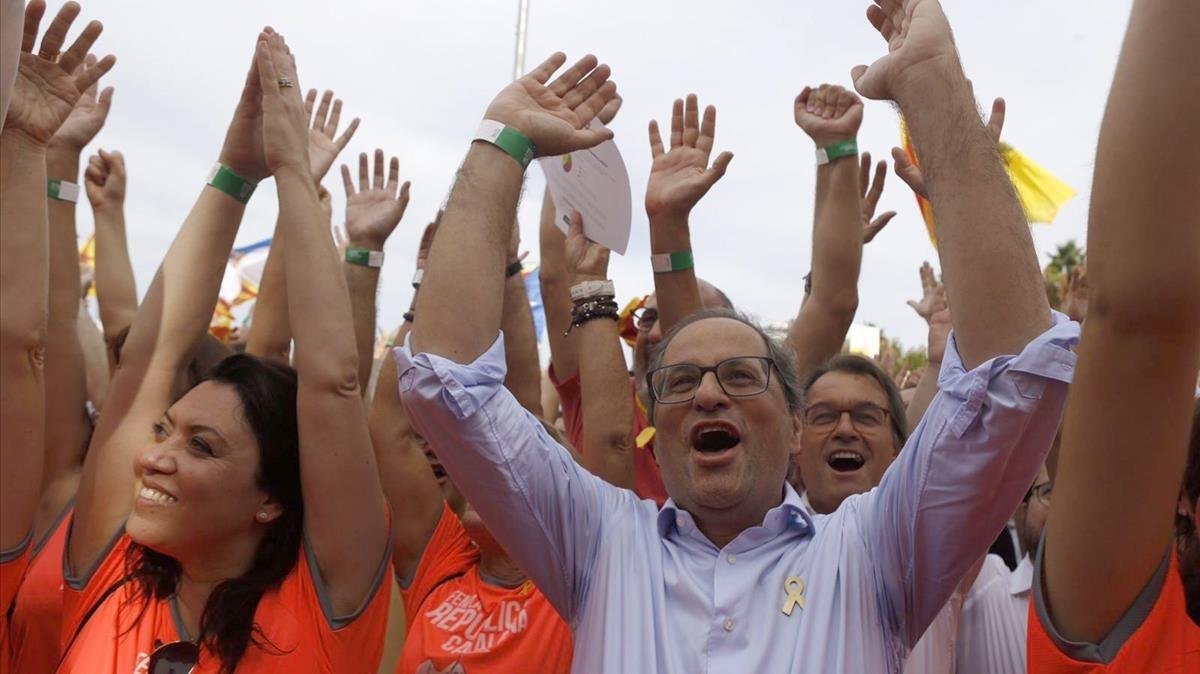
(794, 587)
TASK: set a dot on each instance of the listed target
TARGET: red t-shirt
(303, 640)
(647, 480)
(36, 625)
(12, 567)
(1166, 641)
(458, 623)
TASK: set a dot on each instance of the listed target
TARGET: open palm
(87, 117)
(681, 177)
(45, 90)
(554, 116)
(323, 148)
(373, 211)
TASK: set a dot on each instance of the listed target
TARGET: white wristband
(62, 190)
(589, 289)
(417, 276)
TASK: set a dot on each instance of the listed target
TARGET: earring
(262, 516)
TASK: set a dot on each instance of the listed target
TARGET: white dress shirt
(645, 591)
(995, 617)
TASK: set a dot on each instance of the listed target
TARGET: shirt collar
(789, 513)
(1021, 579)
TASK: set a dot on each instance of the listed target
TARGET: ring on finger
(284, 83)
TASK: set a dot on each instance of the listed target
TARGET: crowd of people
(171, 502)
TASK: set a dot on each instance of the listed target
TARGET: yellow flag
(1040, 192)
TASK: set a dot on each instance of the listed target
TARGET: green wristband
(516, 144)
(667, 262)
(842, 148)
(222, 178)
(62, 190)
(364, 257)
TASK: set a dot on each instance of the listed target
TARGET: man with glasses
(731, 574)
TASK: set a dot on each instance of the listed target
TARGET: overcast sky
(420, 75)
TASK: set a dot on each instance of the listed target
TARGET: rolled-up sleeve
(540, 505)
(962, 473)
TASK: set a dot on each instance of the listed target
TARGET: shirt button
(728, 624)
(731, 559)
(680, 522)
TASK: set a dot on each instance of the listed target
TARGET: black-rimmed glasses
(866, 417)
(1042, 493)
(738, 377)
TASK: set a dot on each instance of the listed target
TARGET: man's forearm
(820, 327)
(607, 404)
(461, 296)
(677, 292)
(116, 290)
(927, 388)
(524, 376)
(556, 295)
(987, 255)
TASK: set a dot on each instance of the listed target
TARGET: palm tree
(1057, 273)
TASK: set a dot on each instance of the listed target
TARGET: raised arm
(67, 426)
(404, 471)
(116, 291)
(1128, 422)
(345, 514)
(556, 280)
(1008, 363)
(831, 117)
(679, 178)
(171, 319)
(603, 377)
(270, 329)
(936, 312)
(372, 214)
(44, 93)
(523, 370)
(986, 251)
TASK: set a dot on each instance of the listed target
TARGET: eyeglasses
(738, 377)
(644, 318)
(866, 417)
(1042, 492)
(177, 657)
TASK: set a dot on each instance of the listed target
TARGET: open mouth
(713, 438)
(846, 461)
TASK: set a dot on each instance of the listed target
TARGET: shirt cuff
(465, 388)
(1048, 357)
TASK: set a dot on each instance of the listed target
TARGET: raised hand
(554, 116)
(373, 212)
(242, 150)
(933, 294)
(323, 148)
(919, 44)
(828, 114)
(1076, 304)
(681, 177)
(871, 191)
(586, 259)
(284, 124)
(49, 84)
(87, 117)
(104, 179)
(911, 174)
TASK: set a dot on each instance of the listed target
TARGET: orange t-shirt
(37, 612)
(1165, 642)
(458, 623)
(302, 639)
(647, 479)
(12, 567)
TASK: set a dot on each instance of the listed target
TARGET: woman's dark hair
(267, 390)
(206, 355)
(852, 364)
(1185, 527)
(785, 362)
